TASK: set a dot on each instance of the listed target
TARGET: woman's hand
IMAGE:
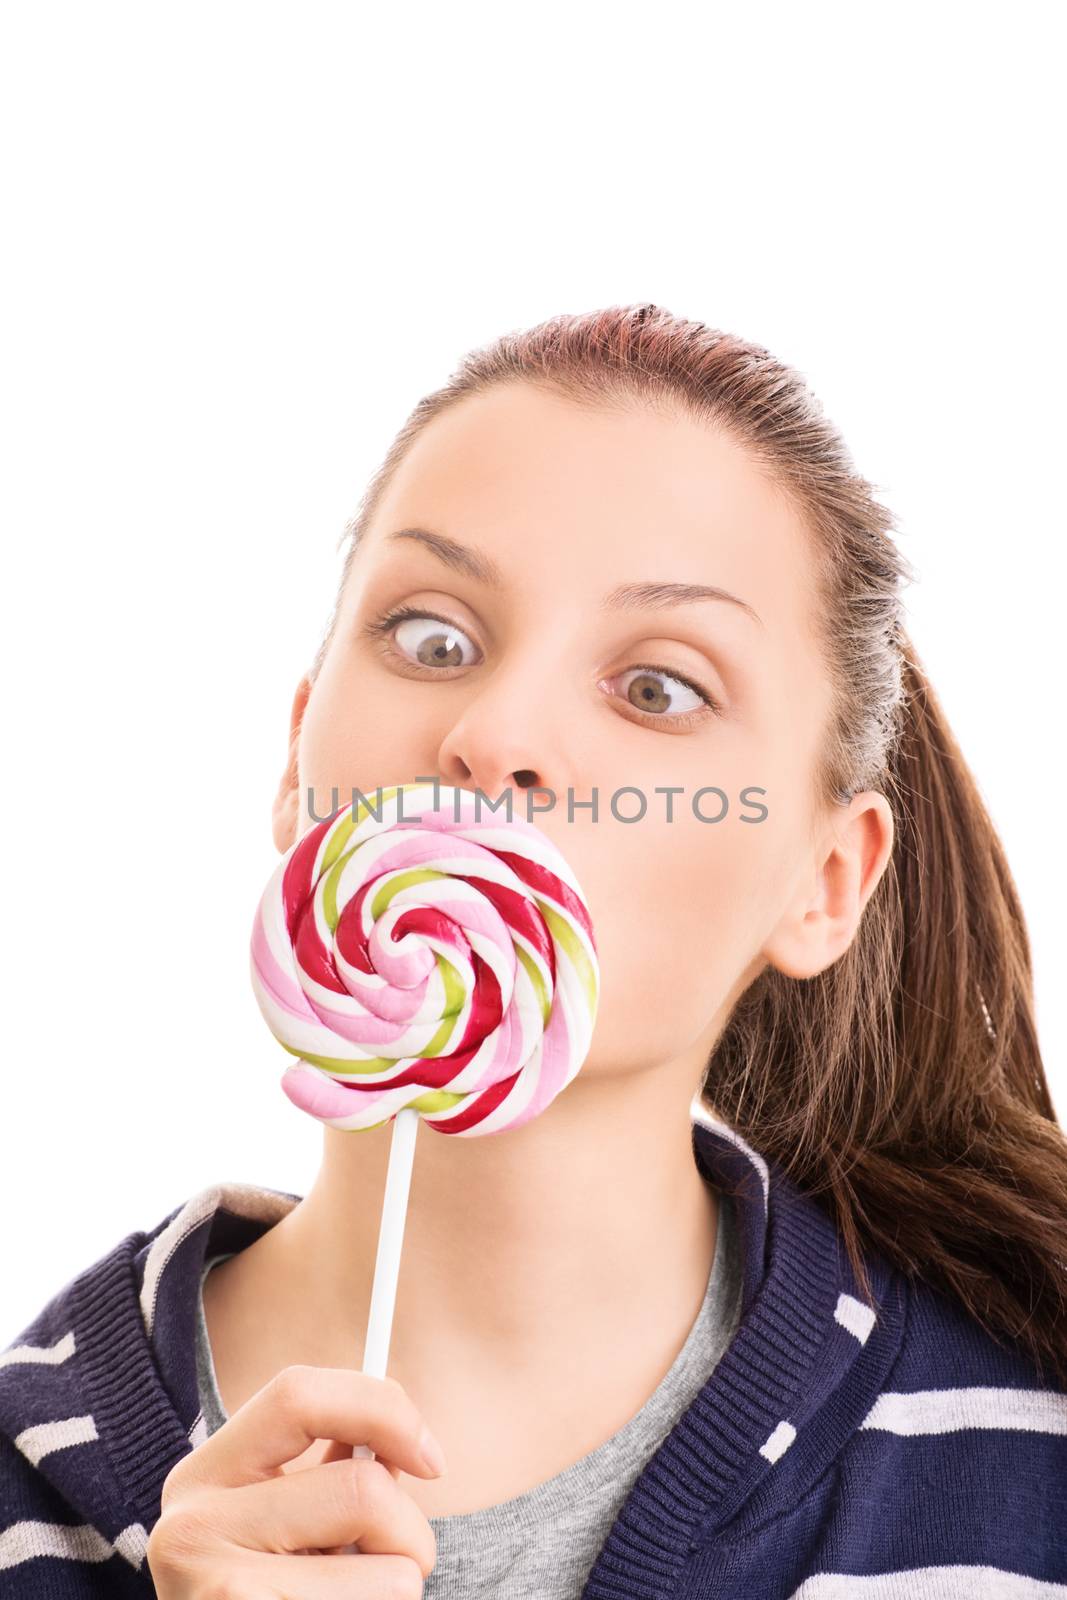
(234, 1524)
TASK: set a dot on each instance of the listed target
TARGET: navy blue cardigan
(838, 1451)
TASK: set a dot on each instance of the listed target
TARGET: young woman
(769, 1301)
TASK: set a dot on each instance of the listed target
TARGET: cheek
(350, 739)
(681, 913)
(675, 915)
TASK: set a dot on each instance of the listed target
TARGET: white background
(241, 241)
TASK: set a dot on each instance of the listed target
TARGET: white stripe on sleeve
(947, 1410)
(930, 1583)
(44, 1355)
(22, 1541)
(40, 1440)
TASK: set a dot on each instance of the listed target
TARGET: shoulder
(945, 1345)
(937, 1466)
(98, 1397)
(963, 1449)
(955, 1382)
(73, 1345)
(66, 1527)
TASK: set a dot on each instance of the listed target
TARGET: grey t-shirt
(541, 1544)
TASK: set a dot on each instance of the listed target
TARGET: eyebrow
(624, 597)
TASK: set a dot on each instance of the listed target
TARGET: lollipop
(428, 957)
(423, 960)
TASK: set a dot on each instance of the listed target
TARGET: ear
(286, 810)
(822, 922)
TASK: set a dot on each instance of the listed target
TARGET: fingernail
(432, 1453)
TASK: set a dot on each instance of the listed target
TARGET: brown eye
(433, 643)
(646, 691)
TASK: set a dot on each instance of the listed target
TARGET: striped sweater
(839, 1450)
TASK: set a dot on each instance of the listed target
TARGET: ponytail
(903, 1086)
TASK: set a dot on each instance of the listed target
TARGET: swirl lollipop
(423, 955)
(422, 959)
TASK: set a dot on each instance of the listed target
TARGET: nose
(504, 738)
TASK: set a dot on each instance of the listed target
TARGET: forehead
(550, 489)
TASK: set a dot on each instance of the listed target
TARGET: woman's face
(554, 646)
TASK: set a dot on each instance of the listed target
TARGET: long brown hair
(903, 1086)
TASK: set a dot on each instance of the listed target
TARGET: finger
(358, 1577)
(354, 1502)
(298, 1405)
(337, 1450)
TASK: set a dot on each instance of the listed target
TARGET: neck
(518, 1247)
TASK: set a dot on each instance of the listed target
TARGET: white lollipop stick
(390, 1241)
